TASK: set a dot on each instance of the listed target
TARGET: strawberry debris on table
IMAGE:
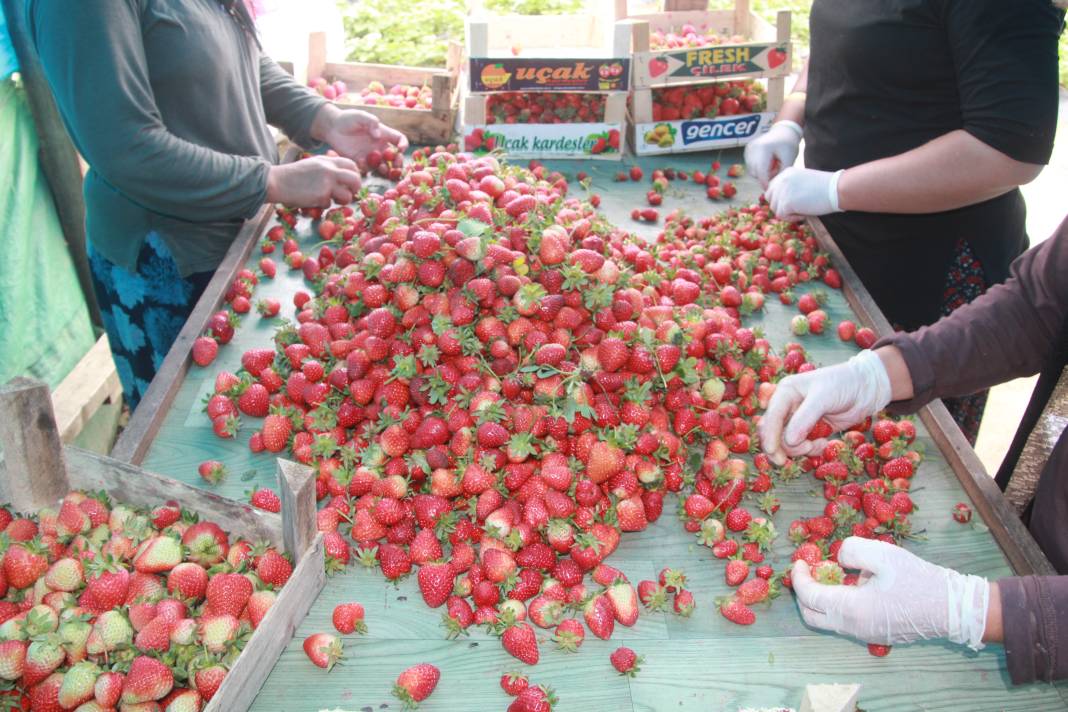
(494, 384)
(105, 605)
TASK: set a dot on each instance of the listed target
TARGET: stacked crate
(572, 59)
(750, 49)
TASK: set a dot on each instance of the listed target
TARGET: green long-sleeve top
(169, 102)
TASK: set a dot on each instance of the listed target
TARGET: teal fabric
(44, 323)
(9, 63)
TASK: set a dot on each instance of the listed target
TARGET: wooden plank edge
(145, 422)
(91, 383)
(133, 485)
(35, 473)
(245, 679)
(1019, 547)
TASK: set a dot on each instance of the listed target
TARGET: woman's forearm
(949, 172)
(995, 631)
(898, 372)
(793, 108)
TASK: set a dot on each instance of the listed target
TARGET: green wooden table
(701, 663)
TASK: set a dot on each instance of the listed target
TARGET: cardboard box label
(521, 74)
(700, 134)
(545, 140)
(713, 62)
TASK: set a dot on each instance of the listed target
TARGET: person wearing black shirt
(921, 119)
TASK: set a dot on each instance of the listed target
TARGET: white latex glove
(772, 152)
(900, 598)
(800, 192)
(844, 394)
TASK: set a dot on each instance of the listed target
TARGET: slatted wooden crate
(765, 54)
(584, 45)
(37, 471)
(421, 126)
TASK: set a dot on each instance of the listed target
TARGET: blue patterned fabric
(143, 311)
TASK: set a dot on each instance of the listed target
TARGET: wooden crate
(432, 127)
(38, 471)
(93, 382)
(674, 67)
(566, 43)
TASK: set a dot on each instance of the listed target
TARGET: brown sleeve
(1009, 332)
(1034, 612)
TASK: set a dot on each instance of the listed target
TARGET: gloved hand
(800, 192)
(772, 152)
(844, 394)
(900, 598)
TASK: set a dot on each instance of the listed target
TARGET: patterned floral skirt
(143, 312)
(965, 282)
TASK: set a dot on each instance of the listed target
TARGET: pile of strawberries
(707, 101)
(494, 384)
(106, 606)
(545, 107)
(398, 96)
(689, 36)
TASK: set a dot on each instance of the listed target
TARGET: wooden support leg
(36, 476)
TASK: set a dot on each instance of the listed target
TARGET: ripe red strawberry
(435, 583)
(753, 591)
(324, 650)
(204, 351)
(736, 612)
(535, 698)
(348, 618)
(12, 659)
(394, 561)
(108, 689)
(24, 563)
(254, 400)
(228, 593)
(683, 604)
(736, 572)
(569, 635)
(275, 433)
(879, 651)
(898, 467)
(266, 499)
(415, 684)
(521, 642)
(212, 471)
(513, 683)
(274, 569)
(148, 680)
(600, 616)
(208, 680)
(865, 338)
(626, 661)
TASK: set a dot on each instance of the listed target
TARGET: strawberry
(217, 632)
(435, 583)
(208, 680)
(415, 684)
(204, 350)
(520, 641)
(753, 591)
(865, 338)
(683, 603)
(737, 571)
(624, 600)
(65, 575)
(12, 659)
(266, 499)
(513, 683)
(148, 680)
(43, 656)
(600, 616)
(626, 661)
(228, 593)
(877, 650)
(324, 650)
(212, 471)
(962, 513)
(348, 618)
(155, 636)
(652, 595)
(24, 563)
(258, 604)
(736, 612)
(569, 635)
(108, 689)
(254, 400)
(206, 543)
(534, 698)
(157, 555)
(111, 631)
(274, 569)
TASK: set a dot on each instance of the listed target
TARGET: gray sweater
(168, 101)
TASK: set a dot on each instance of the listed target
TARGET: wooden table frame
(1008, 531)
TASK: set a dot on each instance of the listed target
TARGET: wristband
(968, 599)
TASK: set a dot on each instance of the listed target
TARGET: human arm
(354, 133)
(1005, 58)
(287, 104)
(777, 149)
(900, 598)
(1008, 332)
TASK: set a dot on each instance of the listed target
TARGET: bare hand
(313, 182)
(354, 134)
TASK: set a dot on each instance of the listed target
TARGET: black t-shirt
(887, 76)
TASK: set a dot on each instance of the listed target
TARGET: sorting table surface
(700, 663)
